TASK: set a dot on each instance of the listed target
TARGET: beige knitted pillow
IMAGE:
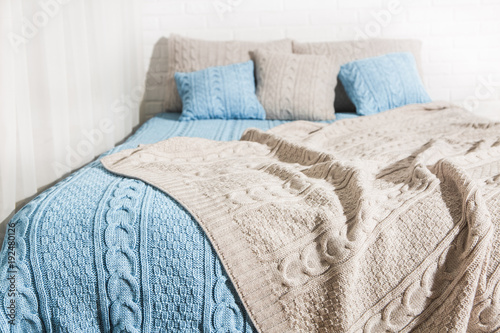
(295, 87)
(347, 51)
(189, 55)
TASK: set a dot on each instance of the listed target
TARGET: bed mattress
(73, 261)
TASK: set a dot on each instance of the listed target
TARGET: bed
(314, 204)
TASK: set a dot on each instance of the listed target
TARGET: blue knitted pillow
(381, 83)
(224, 92)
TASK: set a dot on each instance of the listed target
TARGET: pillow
(295, 87)
(347, 51)
(188, 55)
(224, 92)
(382, 83)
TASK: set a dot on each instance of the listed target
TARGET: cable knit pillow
(293, 87)
(224, 92)
(347, 51)
(382, 83)
(188, 55)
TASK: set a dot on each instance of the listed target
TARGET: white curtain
(71, 82)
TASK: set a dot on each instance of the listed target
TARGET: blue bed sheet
(98, 252)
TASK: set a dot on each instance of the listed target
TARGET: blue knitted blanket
(100, 253)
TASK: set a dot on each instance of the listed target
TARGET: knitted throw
(375, 224)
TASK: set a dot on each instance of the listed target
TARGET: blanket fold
(381, 223)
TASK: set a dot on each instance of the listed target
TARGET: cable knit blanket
(376, 224)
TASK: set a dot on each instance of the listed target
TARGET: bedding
(347, 51)
(382, 83)
(223, 92)
(100, 253)
(385, 223)
(188, 55)
(295, 86)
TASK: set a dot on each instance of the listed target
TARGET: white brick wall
(461, 38)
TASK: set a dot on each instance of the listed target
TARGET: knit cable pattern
(375, 224)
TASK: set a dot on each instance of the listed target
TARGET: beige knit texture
(189, 55)
(295, 86)
(346, 51)
(386, 223)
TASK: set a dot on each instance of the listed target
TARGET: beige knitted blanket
(387, 223)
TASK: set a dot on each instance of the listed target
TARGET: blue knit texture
(102, 253)
(382, 83)
(224, 92)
